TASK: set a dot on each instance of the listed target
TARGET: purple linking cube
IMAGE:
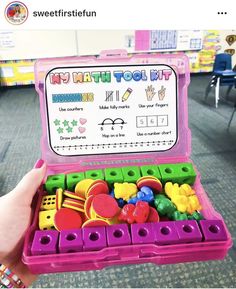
(188, 231)
(118, 235)
(142, 233)
(97, 238)
(45, 242)
(165, 233)
(70, 241)
(213, 230)
(94, 238)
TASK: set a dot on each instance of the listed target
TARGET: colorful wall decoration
(200, 46)
(203, 60)
(16, 72)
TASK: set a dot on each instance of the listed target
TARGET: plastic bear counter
(121, 187)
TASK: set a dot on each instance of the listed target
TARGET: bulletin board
(203, 61)
(168, 40)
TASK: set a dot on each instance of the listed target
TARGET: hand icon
(161, 93)
(150, 92)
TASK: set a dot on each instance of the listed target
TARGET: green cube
(181, 173)
(131, 174)
(54, 182)
(94, 174)
(113, 175)
(188, 173)
(150, 170)
(73, 179)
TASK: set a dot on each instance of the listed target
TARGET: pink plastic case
(61, 159)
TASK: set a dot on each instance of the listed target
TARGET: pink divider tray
(95, 248)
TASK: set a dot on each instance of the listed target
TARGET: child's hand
(15, 213)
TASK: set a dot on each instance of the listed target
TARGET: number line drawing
(151, 143)
(109, 121)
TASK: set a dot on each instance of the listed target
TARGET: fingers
(29, 184)
(162, 90)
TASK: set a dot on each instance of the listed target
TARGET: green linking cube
(150, 170)
(181, 173)
(131, 174)
(113, 175)
(54, 182)
(73, 179)
(94, 175)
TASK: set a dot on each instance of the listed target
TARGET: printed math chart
(111, 109)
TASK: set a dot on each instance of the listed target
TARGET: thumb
(27, 187)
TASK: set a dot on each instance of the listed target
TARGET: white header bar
(113, 14)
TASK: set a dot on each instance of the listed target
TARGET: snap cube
(142, 233)
(46, 219)
(118, 235)
(45, 242)
(113, 175)
(48, 203)
(131, 174)
(94, 174)
(73, 179)
(165, 233)
(94, 238)
(70, 241)
(54, 182)
(213, 230)
(181, 173)
(188, 231)
(150, 170)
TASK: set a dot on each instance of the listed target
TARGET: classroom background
(20, 49)
(211, 105)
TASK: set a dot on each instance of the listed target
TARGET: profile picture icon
(16, 13)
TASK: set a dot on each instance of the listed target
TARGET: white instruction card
(111, 109)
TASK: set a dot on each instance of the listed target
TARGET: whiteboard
(94, 41)
(37, 44)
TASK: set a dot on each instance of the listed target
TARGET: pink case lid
(150, 123)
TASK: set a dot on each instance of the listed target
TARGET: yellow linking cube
(184, 197)
(46, 219)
